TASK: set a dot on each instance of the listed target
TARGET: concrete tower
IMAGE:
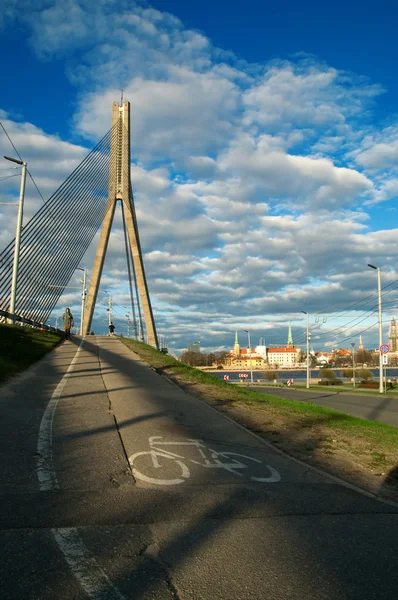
(290, 337)
(119, 188)
(236, 345)
(393, 335)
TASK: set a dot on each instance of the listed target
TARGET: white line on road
(84, 566)
(82, 563)
(45, 467)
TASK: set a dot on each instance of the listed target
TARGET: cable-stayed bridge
(55, 239)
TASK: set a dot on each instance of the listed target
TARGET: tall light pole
(84, 292)
(308, 351)
(381, 387)
(353, 365)
(17, 237)
(128, 324)
(250, 355)
(109, 309)
(83, 281)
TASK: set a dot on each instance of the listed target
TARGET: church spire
(290, 337)
(236, 345)
(360, 347)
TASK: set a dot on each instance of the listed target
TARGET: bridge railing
(19, 320)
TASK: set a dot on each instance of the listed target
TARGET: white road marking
(232, 466)
(45, 467)
(138, 475)
(83, 565)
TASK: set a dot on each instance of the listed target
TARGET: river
(299, 374)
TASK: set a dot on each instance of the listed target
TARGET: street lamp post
(84, 291)
(308, 351)
(83, 281)
(250, 356)
(128, 324)
(381, 387)
(109, 309)
(17, 237)
(353, 365)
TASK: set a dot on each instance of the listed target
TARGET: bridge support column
(120, 189)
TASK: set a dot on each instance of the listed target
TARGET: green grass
(307, 414)
(20, 347)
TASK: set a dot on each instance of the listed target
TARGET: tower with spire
(290, 337)
(236, 345)
(393, 335)
(360, 347)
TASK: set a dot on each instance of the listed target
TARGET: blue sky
(268, 129)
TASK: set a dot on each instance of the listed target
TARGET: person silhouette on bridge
(67, 318)
(111, 328)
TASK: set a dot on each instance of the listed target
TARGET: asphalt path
(116, 484)
(381, 407)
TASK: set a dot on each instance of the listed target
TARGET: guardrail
(26, 322)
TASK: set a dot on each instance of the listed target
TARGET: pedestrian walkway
(117, 484)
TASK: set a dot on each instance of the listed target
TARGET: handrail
(29, 322)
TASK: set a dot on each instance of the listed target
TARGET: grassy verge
(362, 452)
(20, 347)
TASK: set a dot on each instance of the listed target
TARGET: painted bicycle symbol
(210, 459)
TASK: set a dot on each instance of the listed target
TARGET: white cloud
(251, 182)
(305, 181)
(380, 156)
(307, 94)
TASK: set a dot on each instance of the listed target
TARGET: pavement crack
(152, 552)
(111, 412)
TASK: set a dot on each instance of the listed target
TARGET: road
(116, 484)
(381, 407)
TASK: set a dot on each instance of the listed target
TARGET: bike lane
(96, 532)
(230, 516)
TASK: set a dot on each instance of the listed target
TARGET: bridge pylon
(120, 189)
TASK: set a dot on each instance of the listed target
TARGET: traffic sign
(385, 359)
(226, 377)
(384, 348)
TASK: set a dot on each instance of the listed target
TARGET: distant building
(194, 347)
(283, 357)
(261, 356)
(322, 358)
(360, 347)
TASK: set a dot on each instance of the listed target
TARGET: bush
(365, 374)
(330, 382)
(348, 373)
(270, 375)
(327, 374)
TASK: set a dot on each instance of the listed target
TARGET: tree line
(201, 359)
